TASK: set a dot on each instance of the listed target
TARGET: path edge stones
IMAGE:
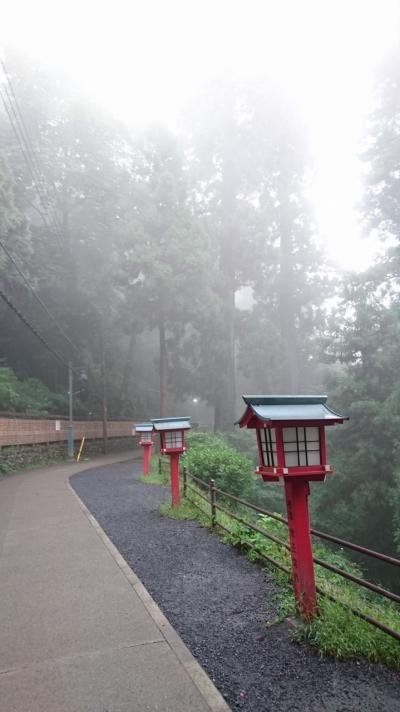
(199, 677)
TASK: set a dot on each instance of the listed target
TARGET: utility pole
(70, 420)
(104, 381)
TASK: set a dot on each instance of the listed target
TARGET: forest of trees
(140, 244)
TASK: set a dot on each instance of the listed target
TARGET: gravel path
(220, 603)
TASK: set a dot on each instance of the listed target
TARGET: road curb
(199, 677)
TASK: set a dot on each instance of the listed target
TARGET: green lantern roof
(289, 408)
(182, 423)
(144, 427)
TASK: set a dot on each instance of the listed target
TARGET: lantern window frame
(172, 434)
(299, 450)
(303, 451)
(268, 446)
(173, 439)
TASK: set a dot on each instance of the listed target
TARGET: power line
(34, 331)
(42, 208)
(18, 125)
(55, 353)
(41, 338)
(48, 212)
(22, 134)
(36, 296)
(23, 151)
(16, 110)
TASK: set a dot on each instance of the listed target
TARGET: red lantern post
(145, 431)
(291, 446)
(172, 435)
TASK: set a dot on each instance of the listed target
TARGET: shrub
(201, 440)
(209, 457)
(31, 396)
(245, 441)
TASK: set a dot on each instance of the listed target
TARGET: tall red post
(174, 471)
(297, 491)
(291, 447)
(146, 458)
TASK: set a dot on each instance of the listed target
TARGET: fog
(202, 200)
(144, 62)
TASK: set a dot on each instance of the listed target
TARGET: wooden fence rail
(208, 492)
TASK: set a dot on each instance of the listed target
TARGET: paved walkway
(78, 630)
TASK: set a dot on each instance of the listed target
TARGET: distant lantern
(172, 443)
(145, 432)
(292, 448)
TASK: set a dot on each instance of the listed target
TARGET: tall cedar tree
(363, 500)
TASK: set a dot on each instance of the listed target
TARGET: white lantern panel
(289, 435)
(291, 459)
(173, 439)
(312, 434)
(314, 458)
(290, 447)
(301, 446)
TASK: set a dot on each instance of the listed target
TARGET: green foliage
(36, 461)
(185, 511)
(156, 239)
(209, 457)
(29, 396)
(336, 631)
(359, 501)
(200, 440)
(157, 476)
(8, 389)
(245, 441)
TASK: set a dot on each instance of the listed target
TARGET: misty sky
(144, 61)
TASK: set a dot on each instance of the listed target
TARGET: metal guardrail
(214, 507)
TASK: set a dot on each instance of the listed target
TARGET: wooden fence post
(213, 499)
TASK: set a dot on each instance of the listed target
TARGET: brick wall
(18, 431)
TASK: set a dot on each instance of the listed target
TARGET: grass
(336, 632)
(157, 477)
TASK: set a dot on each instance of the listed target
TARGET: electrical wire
(45, 343)
(26, 138)
(46, 211)
(19, 127)
(33, 329)
(42, 206)
(41, 338)
(36, 296)
(21, 132)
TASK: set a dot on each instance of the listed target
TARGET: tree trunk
(127, 368)
(217, 416)
(71, 275)
(290, 371)
(231, 364)
(163, 368)
(225, 414)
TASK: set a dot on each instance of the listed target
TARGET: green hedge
(209, 457)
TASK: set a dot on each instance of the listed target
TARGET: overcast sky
(144, 60)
